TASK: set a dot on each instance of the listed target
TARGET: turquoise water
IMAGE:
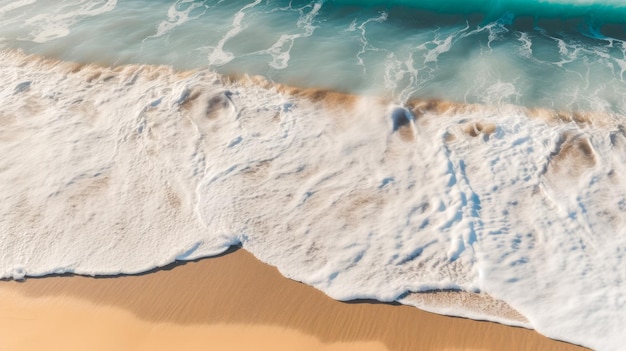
(598, 13)
(533, 53)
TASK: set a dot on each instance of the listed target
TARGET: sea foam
(123, 169)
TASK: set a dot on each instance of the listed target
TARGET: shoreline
(208, 101)
(328, 97)
(217, 301)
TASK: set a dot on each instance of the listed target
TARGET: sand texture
(231, 302)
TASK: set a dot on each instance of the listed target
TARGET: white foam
(364, 42)
(218, 56)
(56, 21)
(178, 14)
(15, 5)
(122, 170)
(280, 50)
(442, 46)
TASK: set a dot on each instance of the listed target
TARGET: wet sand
(231, 302)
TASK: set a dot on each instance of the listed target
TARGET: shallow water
(402, 51)
(481, 152)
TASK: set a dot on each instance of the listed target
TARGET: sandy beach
(231, 302)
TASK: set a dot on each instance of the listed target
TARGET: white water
(108, 171)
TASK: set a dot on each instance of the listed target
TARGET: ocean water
(370, 149)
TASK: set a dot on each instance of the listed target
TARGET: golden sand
(62, 323)
(232, 302)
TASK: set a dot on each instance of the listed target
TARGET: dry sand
(231, 302)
